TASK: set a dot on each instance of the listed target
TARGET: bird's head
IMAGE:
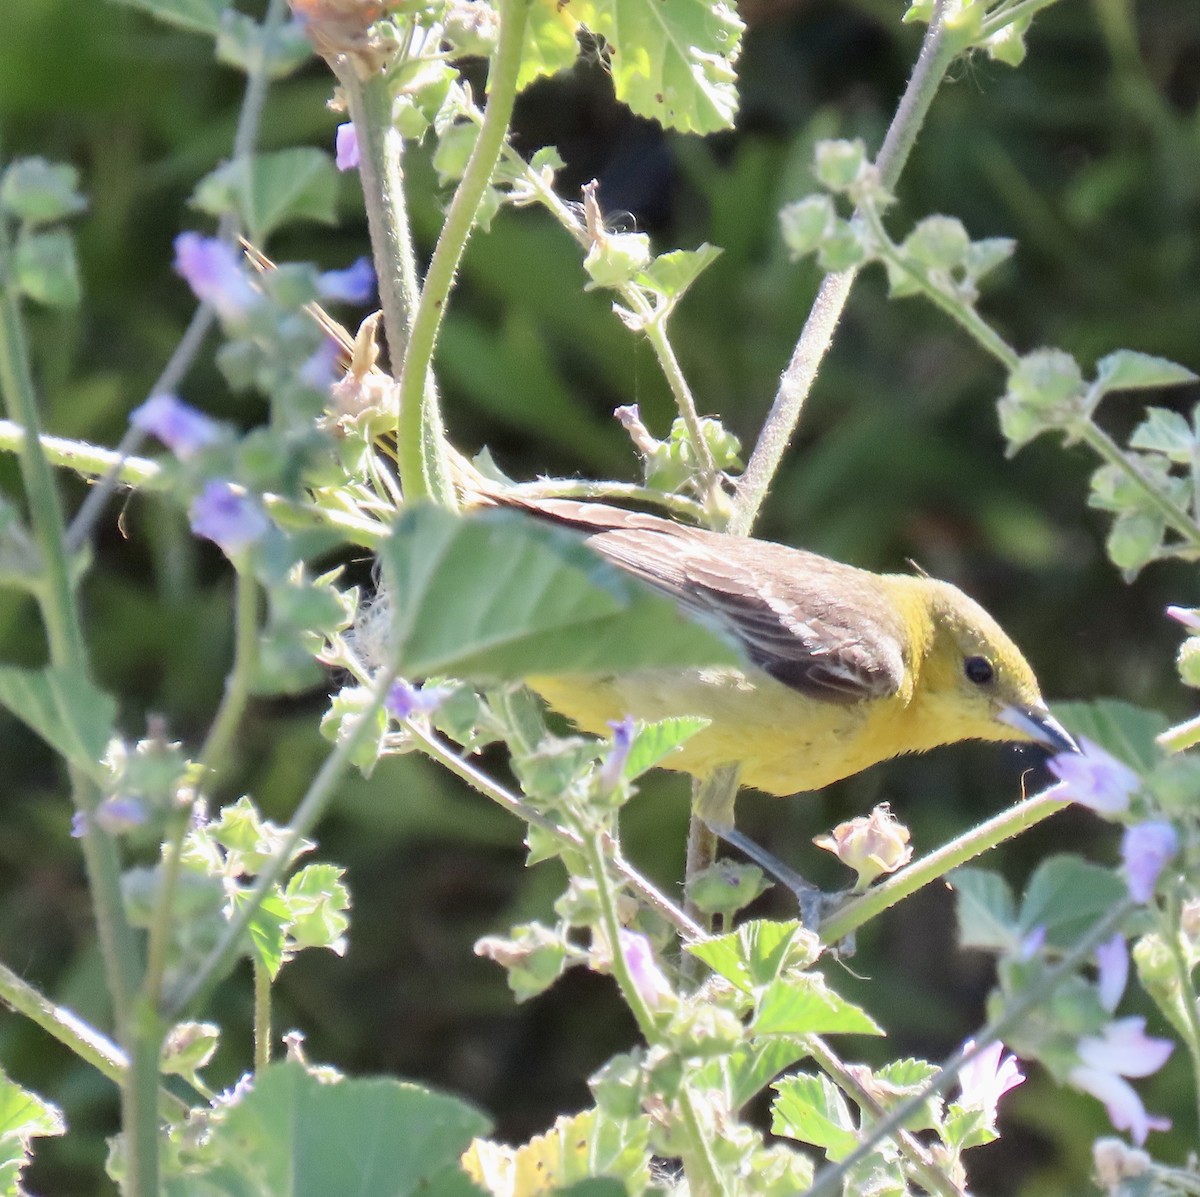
(975, 681)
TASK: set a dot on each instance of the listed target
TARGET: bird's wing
(825, 629)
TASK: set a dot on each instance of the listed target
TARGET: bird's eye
(978, 670)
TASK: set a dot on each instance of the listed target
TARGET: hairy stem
(829, 1181)
(262, 1016)
(421, 439)
(312, 806)
(1005, 826)
(937, 52)
(704, 1176)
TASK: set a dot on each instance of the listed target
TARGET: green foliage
(498, 595)
(67, 711)
(23, 1117)
(294, 1133)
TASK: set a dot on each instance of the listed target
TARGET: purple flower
(1095, 778)
(346, 147)
(1112, 960)
(1122, 1050)
(116, 815)
(214, 272)
(228, 515)
(320, 370)
(183, 429)
(648, 979)
(612, 768)
(1146, 849)
(987, 1077)
(404, 701)
(1033, 942)
(355, 284)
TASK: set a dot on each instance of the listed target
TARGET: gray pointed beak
(1038, 724)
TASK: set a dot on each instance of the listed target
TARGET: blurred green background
(1089, 155)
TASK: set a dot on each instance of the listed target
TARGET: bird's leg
(810, 899)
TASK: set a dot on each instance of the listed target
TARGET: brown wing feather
(820, 627)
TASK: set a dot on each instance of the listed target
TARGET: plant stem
(656, 334)
(421, 439)
(312, 806)
(214, 756)
(1178, 519)
(381, 150)
(262, 1016)
(965, 315)
(73, 1033)
(451, 761)
(937, 52)
(1005, 826)
(704, 1177)
(1168, 930)
(1181, 736)
(931, 1177)
(60, 615)
(829, 1181)
(173, 373)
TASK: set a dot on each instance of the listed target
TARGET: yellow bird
(846, 667)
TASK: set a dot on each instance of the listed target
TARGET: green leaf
(1127, 370)
(38, 192)
(266, 931)
(654, 742)
(294, 1135)
(757, 952)
(1068, 896)
(744, 1071)
(1133, 540)
(810, 1109)
(295, 184)
(551, 44)
(986, 917)
(802, 1004)
(46, 270)
(317, 900)
(243, 43)
(23, 1117)
(671, 274)
(673, 63)
(502, 596)
(1127, 731)
(1166, 432)
(196, 16)
(73, 716)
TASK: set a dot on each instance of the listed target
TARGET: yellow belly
(783, 742)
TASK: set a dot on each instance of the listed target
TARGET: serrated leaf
(654, 742)
(24, 1116)
(1067, 896)
(576, 1149)
(293, 1135)
(744, 1071)
(803, 1004)
(755, 954)
(37, 192)
(986, 916)
(196, 16)
(1166, 432)
(73, 716)
(671, 274)
(499, 595)
(1127, 731)
(673, 63)
(1127, 370)
(266, 931)
(294, 184)
(1134, 540)
(45, 268)
(811, 1110)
